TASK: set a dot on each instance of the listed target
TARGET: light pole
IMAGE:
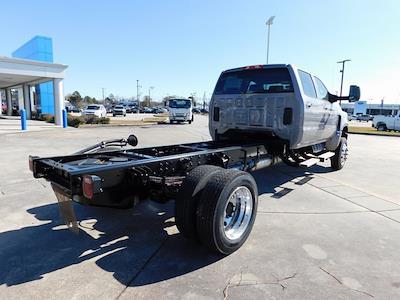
(269, 23)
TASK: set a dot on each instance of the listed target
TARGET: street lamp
(269, 23)
(342, 71)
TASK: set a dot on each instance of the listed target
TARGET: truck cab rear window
(263, 81)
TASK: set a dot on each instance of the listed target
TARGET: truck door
(313, 107)
(329, 117)
(397, 122)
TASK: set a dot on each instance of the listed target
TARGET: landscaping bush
(47, 118)
(75, 121)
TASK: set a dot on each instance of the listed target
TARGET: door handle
(309, 104)
(326, 108)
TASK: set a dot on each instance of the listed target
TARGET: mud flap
(66, 209)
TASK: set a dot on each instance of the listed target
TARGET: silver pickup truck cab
(278, 102)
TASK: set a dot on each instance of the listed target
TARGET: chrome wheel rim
(238, 212)
(344, 152)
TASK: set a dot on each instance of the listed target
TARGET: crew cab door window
(322, 91)
(307, 84)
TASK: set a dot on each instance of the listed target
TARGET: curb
(374, 134)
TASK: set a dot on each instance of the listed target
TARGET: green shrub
(104, 121)
(75, 121)
(47, 118)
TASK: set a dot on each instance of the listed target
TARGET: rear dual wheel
(222, 209)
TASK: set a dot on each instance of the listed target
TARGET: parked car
(196, 110)
(4, 107)
(71, 108)
(364, 118)
(119, 110)
(132, 108)
(148, 110)
(383, 123)
(351, 117)
(97, 110)
(161, 110)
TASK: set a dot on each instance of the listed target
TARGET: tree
(146, 101)
(75, 99)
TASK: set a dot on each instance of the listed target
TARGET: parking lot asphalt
(318, 233)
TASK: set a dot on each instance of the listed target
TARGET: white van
(180, 110)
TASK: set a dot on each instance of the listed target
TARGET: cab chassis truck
(215, 195)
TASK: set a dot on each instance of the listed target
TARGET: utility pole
(342, 71)
(104, 99)
(137, 94)
(269, 23)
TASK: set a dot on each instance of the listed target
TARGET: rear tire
(227, 210)
(188, 198)
(341, 153)
(381, 127)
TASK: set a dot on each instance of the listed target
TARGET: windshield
(93, 107)
(119, 107)
(179, 103)
(276, 80)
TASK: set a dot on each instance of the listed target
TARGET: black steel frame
(153, 172)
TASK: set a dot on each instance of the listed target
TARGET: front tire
(227, 210)
(341, 153)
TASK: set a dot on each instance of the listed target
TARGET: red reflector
(87, 186)
(31, 163)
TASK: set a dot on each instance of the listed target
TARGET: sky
(180, 47)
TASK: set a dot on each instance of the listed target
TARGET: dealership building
(30, 80)
(363, 108)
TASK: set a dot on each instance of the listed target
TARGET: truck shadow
(270, 180)
(139, 246)
(121, 242)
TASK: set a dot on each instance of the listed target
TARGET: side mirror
(354, 94)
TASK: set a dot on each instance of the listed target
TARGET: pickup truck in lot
(258, 116)
(383, 123)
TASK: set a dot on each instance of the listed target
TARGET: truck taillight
(87, 187)
(91, 185)
(31, 166)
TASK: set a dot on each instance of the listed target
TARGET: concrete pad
(344, 191)
(285, 257)
(395, 215)
(374, 203)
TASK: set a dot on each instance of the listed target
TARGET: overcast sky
(180, 47)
